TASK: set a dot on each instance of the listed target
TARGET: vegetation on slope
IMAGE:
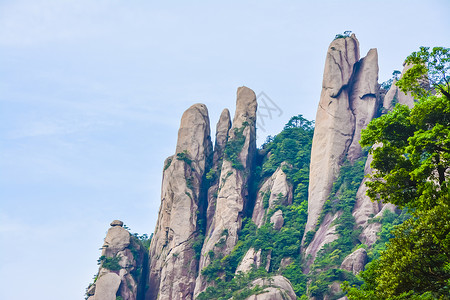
(293, 146)
(413, 172)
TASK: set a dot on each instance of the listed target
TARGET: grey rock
(278, 287)
(232, 196)
(173, 266)
(117, 223)
(355, 261)
(277, 219)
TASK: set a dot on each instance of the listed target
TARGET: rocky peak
(222, 128)
(232, 195)
(342, 55)
(122, 269)
(348, 102)
(174, 262)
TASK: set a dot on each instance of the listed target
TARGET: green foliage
(294, 273)
(344, 35)
(197, 245)
(119, 298)
(432, 66)
(239, 287)
(293, 146)
(266, 198)
(184, 156)
(413, 163)
(388, 83)
(234, 147)
(110, 263)
(169, 161)
(325, 269)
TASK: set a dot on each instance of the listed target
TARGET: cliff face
(349, 101)
(233, 193)
(173, 264)
(238, 222)
(123, 267)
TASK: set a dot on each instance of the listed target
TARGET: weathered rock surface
(335, 124)
(232, 196)
(129, 276)
(340, 118)
(395, 95)
(355, 261)
(278, 287)
(280, 191)
(107, 287)
(250, 259)
(222, 128)
(324, 235)
(173, 266)
(277, 219)
(363, 99)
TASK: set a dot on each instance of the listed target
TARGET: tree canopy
(411, 158)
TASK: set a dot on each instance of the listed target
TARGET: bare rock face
(395, 95)
(232, 195)
(107, 287)
(355, 261)
(277, 219)
(335, 124)
(222, 129)
(276, 189)
(173, 266)
(278, 287)
(363, 99)
(250, 259)
(324, 235)
(340, 118)
(122, 269)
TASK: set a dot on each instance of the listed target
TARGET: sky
(92, 92)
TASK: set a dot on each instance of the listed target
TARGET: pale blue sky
(91, 94)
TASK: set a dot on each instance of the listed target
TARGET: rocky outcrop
(277, 219)
(395, 95)
(123, 267)
(355, 261)
(222, 129)
(174, 263)
(363, 99)
(232, 195)
(251, 259)
(275, 190)
(349, 101)
(277, 287)
(334, 124)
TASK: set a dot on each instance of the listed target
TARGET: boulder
(117, 223)
(355, 261)
(277, 219)
(280, 191)
(278, 287)
(107, 286)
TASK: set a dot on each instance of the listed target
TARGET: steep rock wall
(174, 265)
(123, 267)
(340, 118)
(232, 196)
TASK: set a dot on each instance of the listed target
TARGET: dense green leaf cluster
(412, 162)
(293, 146)
(234, 147)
